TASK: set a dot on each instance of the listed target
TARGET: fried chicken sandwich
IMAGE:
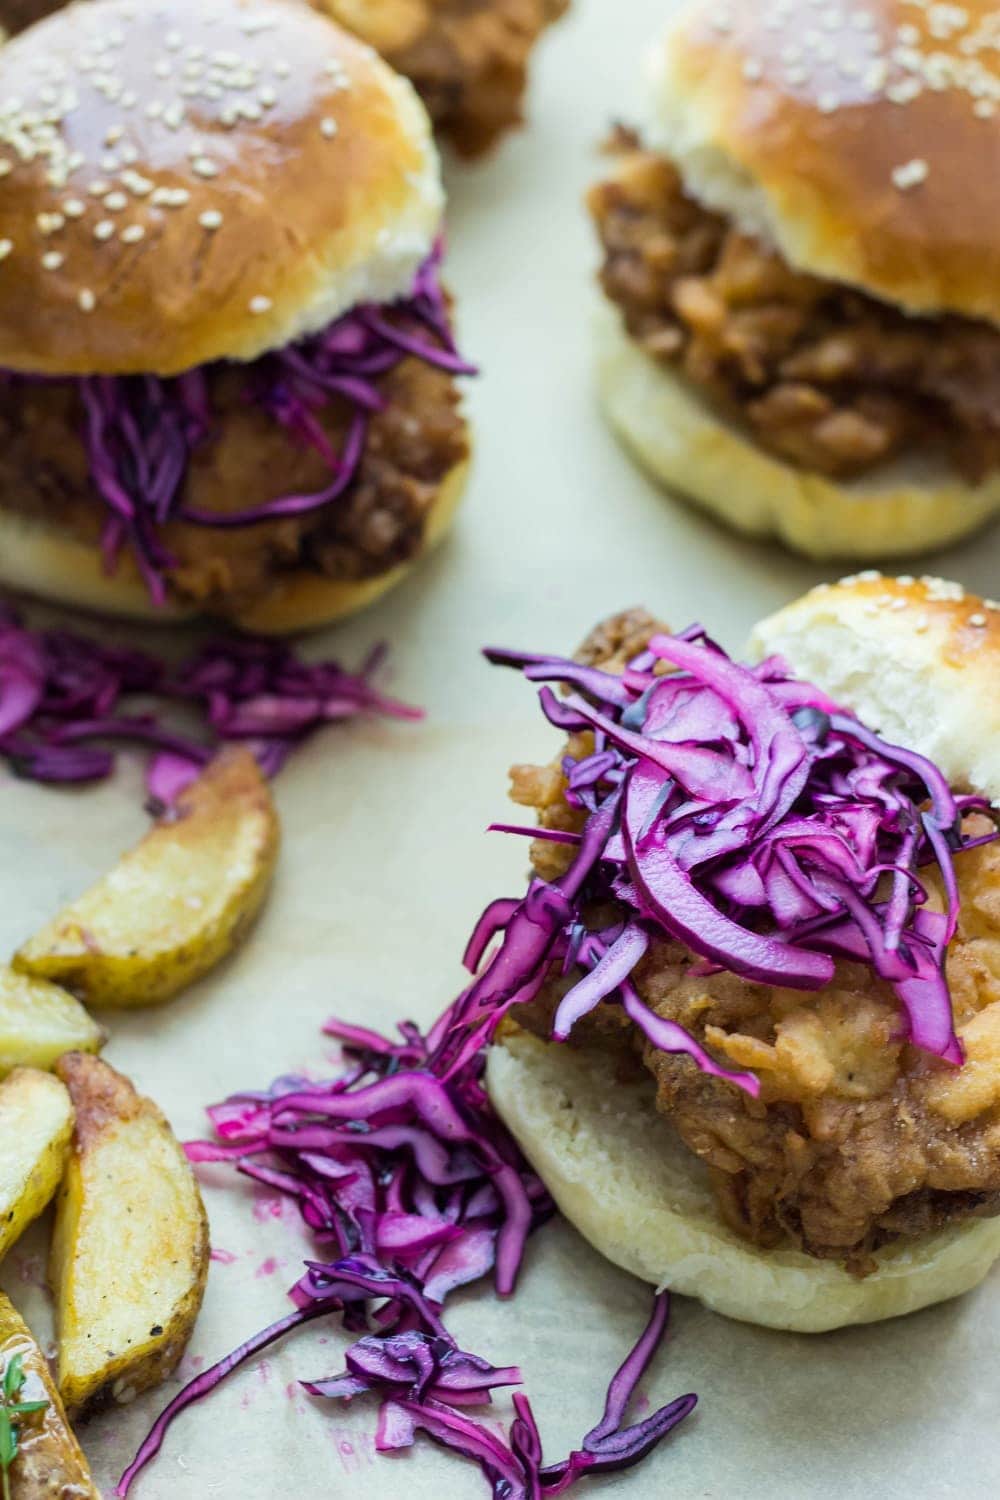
(227, 369)
(800, 325)
(747, 1016)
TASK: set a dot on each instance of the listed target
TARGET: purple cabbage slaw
(141, 431)
(412, 1188)
(66, 704)
(743, 813)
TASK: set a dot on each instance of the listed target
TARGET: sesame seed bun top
(861, 138)
(918, 659)
(197, 180)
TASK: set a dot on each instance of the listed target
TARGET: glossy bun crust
(200, 180)
(863, 139)
(918, 657)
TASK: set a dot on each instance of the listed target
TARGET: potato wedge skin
(130, 1251)
(50, 1464)
(36, 1126)
(39, 1022)
(176, 904)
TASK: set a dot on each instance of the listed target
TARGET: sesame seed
(116, 201)
(752, 70)
(104, 230)
(74, 208)
(6, 166)
(86, 301)
(52, 260)
(99, 187)
(260, 305)
(133, 234)
(911, 174)
(210, 219)
(978, 620)
(6, 246)
(49, 223)
(328, 128)
(203, 166)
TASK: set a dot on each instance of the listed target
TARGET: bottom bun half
(619, 1173)
(904, 508)
(36, 560)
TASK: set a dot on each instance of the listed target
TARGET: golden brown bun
(909, 506)
(917, 658)
(329, 192)
(793, 119)
(621, 1176)
(920, 661)
(38, 561)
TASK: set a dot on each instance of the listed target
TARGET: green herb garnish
(11, 1409)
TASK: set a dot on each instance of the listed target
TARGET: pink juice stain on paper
(223, 1257)
(269, 1266)
(354, 1449)
(268, 1208)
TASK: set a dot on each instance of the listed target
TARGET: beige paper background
(386, 865)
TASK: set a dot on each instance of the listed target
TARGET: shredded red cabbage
(742, 812)
(140, 431)
(412, 1188)
(65, 699)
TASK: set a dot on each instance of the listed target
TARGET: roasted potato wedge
(130, 1250)
(176, 904)
(49, 1463)
(36, 1125)
(39, 1022)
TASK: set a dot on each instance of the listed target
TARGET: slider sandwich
(747, 1016)
(228, 377)
(800, 322)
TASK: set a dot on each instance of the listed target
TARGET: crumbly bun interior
(906, 508)
(194, 180)
(619, 1173)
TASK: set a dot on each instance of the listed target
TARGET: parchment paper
(385, 867)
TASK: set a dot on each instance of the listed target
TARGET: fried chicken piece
(857, 1138)
(828, 378)
(379, 522)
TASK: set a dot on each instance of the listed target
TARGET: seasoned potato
(176, 904)
(39, 1022)
(36, 1124)
(49, 1464)
(130, 1250)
